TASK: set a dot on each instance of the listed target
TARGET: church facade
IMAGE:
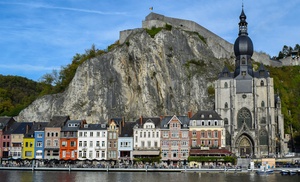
(246, 101)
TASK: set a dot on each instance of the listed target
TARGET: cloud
(27, 67)
(37, 5)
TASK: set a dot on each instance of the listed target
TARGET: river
(44, 176)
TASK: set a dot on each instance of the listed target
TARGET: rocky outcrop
(162, 75)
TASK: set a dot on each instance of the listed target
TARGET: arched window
(225, 121)
(263, 137)
(244, 116)
(262, 83)
(263, 120)
(228, 138)
(226, 105)
(226, 85)
(262, 104)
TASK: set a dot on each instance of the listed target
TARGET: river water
(28, 176)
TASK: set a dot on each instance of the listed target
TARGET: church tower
(246, 101)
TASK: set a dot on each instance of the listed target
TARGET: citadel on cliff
(160, 77)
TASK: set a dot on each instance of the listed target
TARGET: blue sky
(37, 36)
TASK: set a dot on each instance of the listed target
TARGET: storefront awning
(145, 152)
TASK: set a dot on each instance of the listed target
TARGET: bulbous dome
(243, 46)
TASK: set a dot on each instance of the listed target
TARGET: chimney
(190, 114)
(141, 120)
(123, 122)
(27, 129)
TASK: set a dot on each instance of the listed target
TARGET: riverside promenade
(146, 169)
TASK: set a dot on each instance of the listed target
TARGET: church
(246, 101)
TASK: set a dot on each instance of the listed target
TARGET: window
(55, 143)
(85, 134)
(28, 154)
(85, 143)
(104, 134)
(73, 143)
(184, 134)
(39, 144)
(149, 135)
(165, 134)
(97, 143)
(175, 134)
(48, 143)
(91, 134)
(97, 154)
(202, 134)
(102, 154)
(26, 144)
(194, 133)
(216, 143)
(80, 143)
(149, 143)
(90, 154)
(64, 143)
(98, 134)
(226, 85)
(110, 135)
(194, 143)
(155, 144)
(40, 135)
(225, 121)
(216, 123)
(80, 134)
(114, 135)
(209, 134)
(91, 143)
(216, 134)
(262, 104)
(262, 83)
(103, 144)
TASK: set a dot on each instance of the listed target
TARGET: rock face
(167, 74)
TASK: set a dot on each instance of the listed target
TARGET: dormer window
(210, 116)
(202, 116)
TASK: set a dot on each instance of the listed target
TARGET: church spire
(243, 24)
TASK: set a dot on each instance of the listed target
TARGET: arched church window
(263, 137)
(244, 117)
(225, 121)
(226, 85)
(262, 103)
(228, 138)
(262, 83)
(226, 105)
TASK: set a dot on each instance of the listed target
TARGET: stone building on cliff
(246, 101)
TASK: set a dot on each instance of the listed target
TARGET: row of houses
(170, 138)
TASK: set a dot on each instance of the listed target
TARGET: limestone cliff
(151, 76)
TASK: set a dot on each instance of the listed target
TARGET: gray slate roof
(183, 119)
(206, 115)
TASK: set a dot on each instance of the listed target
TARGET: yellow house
(28, 148)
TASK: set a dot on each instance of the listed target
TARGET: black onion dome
(243, 46)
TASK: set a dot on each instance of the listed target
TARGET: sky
(39, 36)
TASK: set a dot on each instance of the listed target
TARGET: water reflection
(28, 176)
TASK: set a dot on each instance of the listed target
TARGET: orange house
(68, 140)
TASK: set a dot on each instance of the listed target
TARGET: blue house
(39, 143)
